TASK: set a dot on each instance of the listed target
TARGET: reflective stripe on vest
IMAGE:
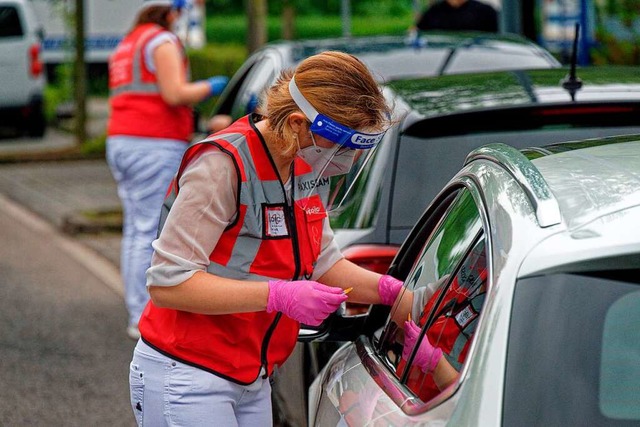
(137, 84)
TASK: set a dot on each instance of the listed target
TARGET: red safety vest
(455, 322)
(268, 239)
(137, 108)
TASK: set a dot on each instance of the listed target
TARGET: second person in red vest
(150, 126)
(246, 252)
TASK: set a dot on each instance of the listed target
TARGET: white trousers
(165, 392)
(143, 169)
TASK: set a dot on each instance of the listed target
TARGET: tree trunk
(80, 76)
(257, 24)
(288, 19)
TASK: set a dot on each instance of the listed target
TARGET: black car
(446, 117)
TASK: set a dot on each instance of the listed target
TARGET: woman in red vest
(246, 252)
(150, 125)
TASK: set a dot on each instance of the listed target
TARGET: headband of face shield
(337, 160)
(330, 129)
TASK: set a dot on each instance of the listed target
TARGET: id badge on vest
(274, 221)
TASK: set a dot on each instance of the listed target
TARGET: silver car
(525, 272)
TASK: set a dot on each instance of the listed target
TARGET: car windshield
(574, 350)
(10, 25)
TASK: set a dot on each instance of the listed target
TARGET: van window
(10, 25)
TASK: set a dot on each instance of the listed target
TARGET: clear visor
(335, 169)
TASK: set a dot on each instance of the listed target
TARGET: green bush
(215, 60)
(233, 29)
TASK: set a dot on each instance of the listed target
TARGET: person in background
(459, 15)
(150, 125)
(246, 253)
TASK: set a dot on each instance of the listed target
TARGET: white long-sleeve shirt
(206, 204)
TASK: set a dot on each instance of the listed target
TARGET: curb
(93, 222)
(93, 262)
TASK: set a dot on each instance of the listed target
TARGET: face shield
(350, 147)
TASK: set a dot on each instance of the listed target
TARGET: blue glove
(179, 4)
(217, 84)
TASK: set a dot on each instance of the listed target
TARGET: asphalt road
(63, 354)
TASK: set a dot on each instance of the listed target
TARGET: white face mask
(330, 161)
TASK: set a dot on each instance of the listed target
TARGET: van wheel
(35, 123)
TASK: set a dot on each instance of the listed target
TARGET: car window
(261, 76)
(443, 296)
(420, 160)
(574, 350)
(497, 57)
(10, 25)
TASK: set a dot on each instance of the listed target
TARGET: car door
(448, 263)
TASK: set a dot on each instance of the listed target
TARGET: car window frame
(227, 98)
(271, 64)
(402, 395)
(446, 285)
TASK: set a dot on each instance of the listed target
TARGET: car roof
(496, 95)
(593, 178)
(434, 53)
(596, 185)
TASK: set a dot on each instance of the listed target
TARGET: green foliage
(95, 145)
(617, 33)
(233, 29)
(59, 92)
(53, 96)
(390, 8)
(215, 60)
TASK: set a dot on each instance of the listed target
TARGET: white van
(21, 69)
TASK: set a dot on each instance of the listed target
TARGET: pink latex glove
(388, 288)
(306, 301)
(427, 357)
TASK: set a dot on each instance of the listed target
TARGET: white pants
(143, 169)
(165, 392)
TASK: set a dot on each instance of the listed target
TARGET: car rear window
(10, 25)
(426, 163)
(574, 351)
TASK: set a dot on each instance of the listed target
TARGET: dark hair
(154, 15)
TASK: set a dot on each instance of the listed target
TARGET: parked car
(389, 57)
(21, 70)
(444, 118)
(548, 333)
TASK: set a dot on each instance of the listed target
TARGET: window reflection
(444, 296)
